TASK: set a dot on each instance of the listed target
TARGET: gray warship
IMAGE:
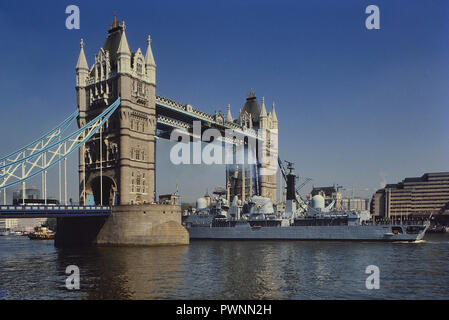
(258, 220)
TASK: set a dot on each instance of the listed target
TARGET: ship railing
(395, 222)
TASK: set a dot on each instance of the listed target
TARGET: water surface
(227, 270)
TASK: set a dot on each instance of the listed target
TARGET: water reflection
(126, 272)
(226, 270)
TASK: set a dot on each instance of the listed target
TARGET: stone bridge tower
(246, 180)
(117, 165)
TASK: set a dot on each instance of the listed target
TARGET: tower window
(139, 68)
(139, 88)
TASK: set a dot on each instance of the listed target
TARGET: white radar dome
(318, 202)
(201, 203)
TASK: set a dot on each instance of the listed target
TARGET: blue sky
(356, 107)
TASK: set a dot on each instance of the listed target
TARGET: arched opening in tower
(109, 191)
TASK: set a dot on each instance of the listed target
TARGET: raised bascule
(120, 116)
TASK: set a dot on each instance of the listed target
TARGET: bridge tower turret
(268, 181)
(150, 65)
(123, 171)
(262, 176)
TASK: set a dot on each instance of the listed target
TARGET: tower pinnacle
(229, 116)
(273, 114)
(263, 112)
(115, 23)
(123, 47)
(149, 58)
(82, 62)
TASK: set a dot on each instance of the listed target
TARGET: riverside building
(425, 195)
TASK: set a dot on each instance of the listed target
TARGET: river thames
(227, 270)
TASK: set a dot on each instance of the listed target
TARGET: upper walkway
(53, 211)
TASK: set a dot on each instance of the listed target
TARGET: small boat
(439, 229)
(41, 233)
(4, 232)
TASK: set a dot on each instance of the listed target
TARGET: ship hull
(312, 233)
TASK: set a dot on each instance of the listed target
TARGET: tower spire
(263, 112)
(149, 58)
(115, 22)
(123, 53)
(229, 116)
(273, 113)
(82, 62)
(150, 65)
(263, 124)
(123, 47)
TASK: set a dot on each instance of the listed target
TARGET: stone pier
(146, 225)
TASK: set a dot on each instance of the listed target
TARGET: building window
(138, 183)
(139, 68)
(139, 88)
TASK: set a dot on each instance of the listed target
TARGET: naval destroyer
(258, 220)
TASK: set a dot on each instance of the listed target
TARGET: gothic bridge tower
(116, 166)
(246, 180)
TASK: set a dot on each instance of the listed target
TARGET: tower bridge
(119, 117)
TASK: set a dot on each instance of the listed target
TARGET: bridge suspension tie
(45, 152)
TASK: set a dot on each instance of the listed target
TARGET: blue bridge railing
(27, 211)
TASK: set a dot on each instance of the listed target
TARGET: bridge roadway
(52, 211)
